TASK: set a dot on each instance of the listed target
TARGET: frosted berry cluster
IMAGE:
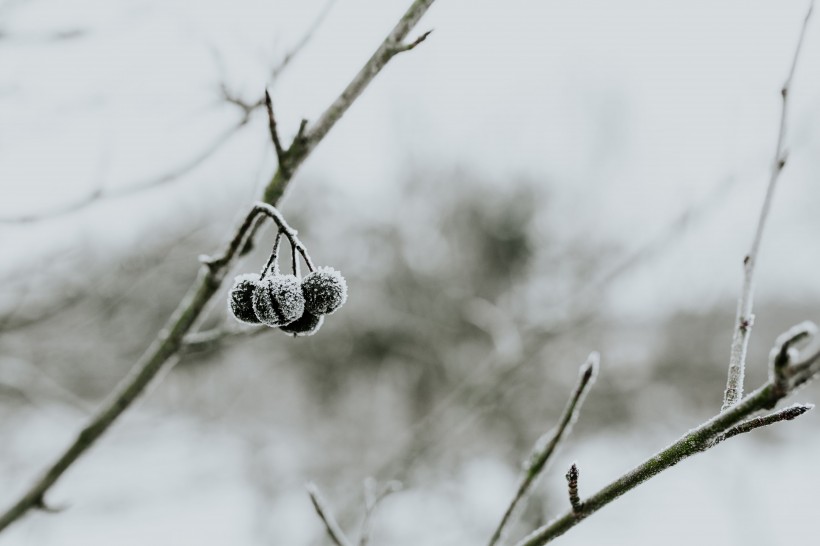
(295, 306)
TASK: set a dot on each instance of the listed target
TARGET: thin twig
(163, 352)
(276, 72)
(786, 414)
(333, 530)
(314, 134)
(274, 133)
(745, 315)
(372, 498)
(547, 445)
(784, 353)
(212, 338)
(102, 194)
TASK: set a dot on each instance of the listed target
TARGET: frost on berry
(306, 325)
(325, 290)
(278, 300)
(240, 300)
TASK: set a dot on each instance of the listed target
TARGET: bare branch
(412, 45)
(207, 340)
(386, 51)
(274, 133)
(784, 353)
(163, 352)
(276, 72)
(745, 316)
(786, 414)
(333, 530)
(102, 194)
(372, 497)
(547, 445)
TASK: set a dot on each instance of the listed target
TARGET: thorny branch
(164, 351)
(745, 316)
(548, 444)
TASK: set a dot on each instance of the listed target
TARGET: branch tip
(331, 526)
(572, 486)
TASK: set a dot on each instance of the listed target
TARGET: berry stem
(274, 255)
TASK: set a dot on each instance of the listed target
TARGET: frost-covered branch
(730, 422)
(164, 350)
(240, 237)
(547, 445)
(745, 315)
(320, 505)
(787, 414)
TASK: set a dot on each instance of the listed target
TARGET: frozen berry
(307, 325)
(325, 290)
(278, 300)
(241, 298)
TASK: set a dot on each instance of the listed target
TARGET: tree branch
(333, 530)
(547, 445)
(274, 133)
(163, 352)
(745, 316)
(787, 414)
(728, 423)
(389, 48)
(249, 107)
(372, 498)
